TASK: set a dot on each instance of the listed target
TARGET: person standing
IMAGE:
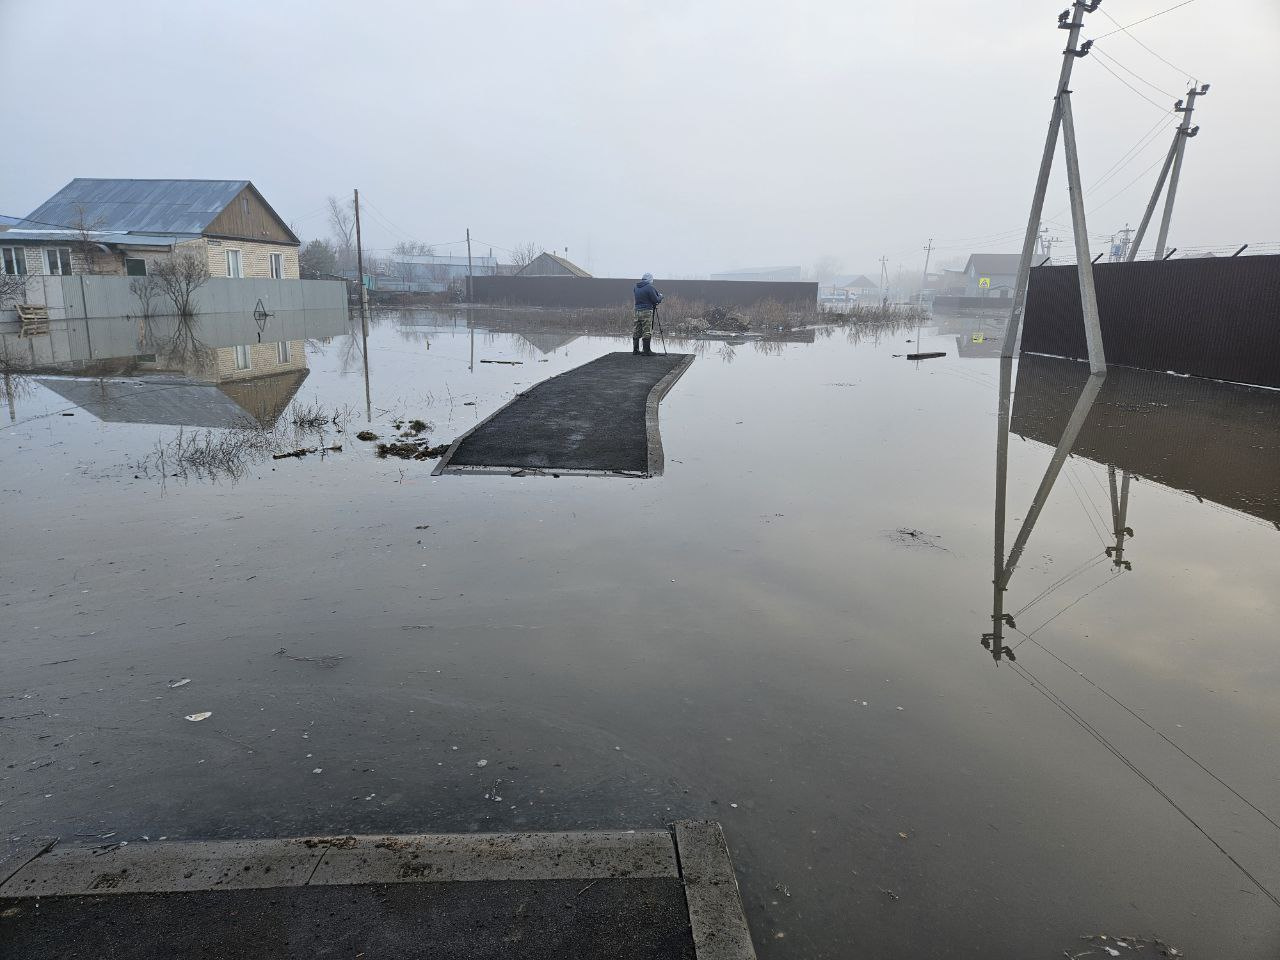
(647, 300)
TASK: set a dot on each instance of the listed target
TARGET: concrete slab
(521, 856)
(599, 418)
(609, 894)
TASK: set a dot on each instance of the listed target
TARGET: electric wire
(1042, 688)
(1136, 91)
(1125, 27)
(1126, 32)
(1133, 73)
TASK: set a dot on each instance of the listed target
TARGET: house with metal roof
(119, 227)
(550, 265)
(991, 274)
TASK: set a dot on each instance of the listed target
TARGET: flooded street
(782, 633)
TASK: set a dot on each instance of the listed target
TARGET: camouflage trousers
(644, 323)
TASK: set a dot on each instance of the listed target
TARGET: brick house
(120, 227)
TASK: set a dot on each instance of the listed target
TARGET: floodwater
(783, 633)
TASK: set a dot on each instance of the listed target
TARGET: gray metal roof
(115, 237)
(997, 263)
(174, 400)
(141, 206)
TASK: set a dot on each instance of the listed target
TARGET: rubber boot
(647, 351)
(635, 344)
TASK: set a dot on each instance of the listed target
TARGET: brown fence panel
(580, 292)
(1216, 317)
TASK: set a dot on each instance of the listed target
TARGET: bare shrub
(179, 277)
(147, 290)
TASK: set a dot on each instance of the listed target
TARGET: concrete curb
(693, 852)
(719, 925)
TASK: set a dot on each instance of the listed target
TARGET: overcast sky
(677, 137)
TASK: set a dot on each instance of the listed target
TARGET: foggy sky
(681, 138)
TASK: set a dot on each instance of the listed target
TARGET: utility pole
(1172, 161)
(884, 281)
(924, 280)
(1185, 132)
(1125, 235)
(364, 295)
(1061, 118)
(469, 297)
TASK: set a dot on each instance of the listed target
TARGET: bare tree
(85, 246)
(180, 276)
(827, 268)
(525, 253)
(146, 289)
(401, 263)
(342, 222)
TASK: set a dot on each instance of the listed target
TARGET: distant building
(761, 273)
(119, 227)
(550, 265)
(433, 274)
(991, 274)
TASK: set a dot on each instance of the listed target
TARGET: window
(242, 357)
(58, 260)
(282, 351)
(233, 264)
(13, 261)
(277, 266)
(135, 267)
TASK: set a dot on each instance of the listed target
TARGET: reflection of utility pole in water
(364, 353)
(1003, 569)
(1119, 514)
(8, 395)
(471, 325)
(1061, 119)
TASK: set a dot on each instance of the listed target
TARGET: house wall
(249, 217)
(103, 263)
(263, 360)
(255, 258)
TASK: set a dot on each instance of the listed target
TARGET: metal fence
(583, 292)
(1216, 317)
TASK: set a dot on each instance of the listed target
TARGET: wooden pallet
(35, 319)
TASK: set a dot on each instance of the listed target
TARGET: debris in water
(328, 660)
(910, 537)
(303, 451)
(173, 684)
(926, 356)
(510, 363)
(890, 894)
(367, 436)
(318, 770)
(412, 450)
(416, 427)
(197, 717)
(482, 763)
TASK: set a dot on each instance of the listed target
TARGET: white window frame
(54, 261)
(277, 266)
(238, 272)
(282, 351)
(17, 256)
(243, 360)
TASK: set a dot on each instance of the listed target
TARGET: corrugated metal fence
(582, 292)
(1216, 317)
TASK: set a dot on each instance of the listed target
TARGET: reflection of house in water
(549, 342)
(214, 372)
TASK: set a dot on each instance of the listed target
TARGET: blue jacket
(647, 295)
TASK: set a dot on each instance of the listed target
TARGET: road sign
(984, 282)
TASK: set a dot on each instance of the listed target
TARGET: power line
(1125, 27)
(1040, 687)
(1133, 73)
(1137, 92)
(1129, 155)
(1141, 44)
